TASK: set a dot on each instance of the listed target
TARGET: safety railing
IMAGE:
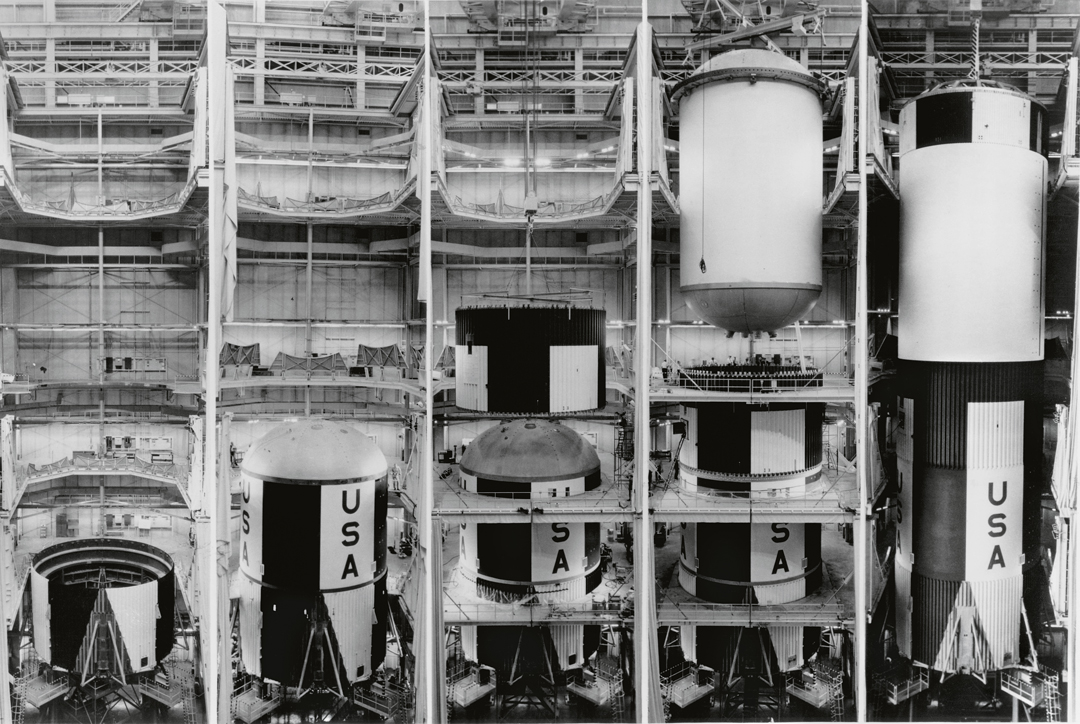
(126, 209)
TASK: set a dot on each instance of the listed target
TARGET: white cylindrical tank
(971, 259)
(750, 191)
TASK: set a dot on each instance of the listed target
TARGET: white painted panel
(346, 538)
(250, 625)
(688, 641)
(569, 644)
(971, 254)
(39, 589)
(352, 614)
(251, 527)
(776, 552)
(1001, 118)
(558, 551)
(995, 490)
(905, 430)
(472, 377)
(468, 642)
(787, 643)
(136, 612)
(573, 378)
(777, 441)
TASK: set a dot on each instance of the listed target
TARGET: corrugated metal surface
(999, 612)
(39, 589)
(812, 445)
(136, 612)
(939, 621)
(942, 391)
(572, 378)
(778, 440)
(468, 642)
(688, 641)
(352, 614)
(787, 642)
(781, 593)
(995, 434)
(569, 642)
(250, 625)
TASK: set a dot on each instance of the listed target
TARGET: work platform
(608, 503)
(831, 500)
(831, 606)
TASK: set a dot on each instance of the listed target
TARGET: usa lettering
(996, 522)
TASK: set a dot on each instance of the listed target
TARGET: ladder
(18, 691)
(624, 454)
(187, 687)
(674, 464)
(615, 696)
(1051, 703)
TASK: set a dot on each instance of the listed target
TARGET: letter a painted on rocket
(561, 562)
(996, 558)
(781, 562)
(350, 568)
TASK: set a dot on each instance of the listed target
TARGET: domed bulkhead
(744, 267)
(553, 561)
(313, 550)
(530, 359)
(973, 187)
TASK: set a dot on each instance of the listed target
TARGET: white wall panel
(39, 589)
(352, 614)
(136, 611)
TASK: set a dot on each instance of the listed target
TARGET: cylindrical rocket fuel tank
(973, 177)
(553, 561)
(313, 554)
(530, 359)
(751, 451)
(749, 144)
(88, 589)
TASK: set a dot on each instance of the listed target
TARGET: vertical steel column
(430, 694)
(1072, 565)
(647, 701)
(862, 456)
(101, 348)
(308, 311)
(219, 690)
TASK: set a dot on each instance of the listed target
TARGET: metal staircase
(18, 693)
(669, 475)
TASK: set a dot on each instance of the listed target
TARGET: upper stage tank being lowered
(973, 178)
(313, 556)
(750, 170)
(553, 561)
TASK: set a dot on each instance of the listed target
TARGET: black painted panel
(285, 627)
(943, 118)
(291, 535)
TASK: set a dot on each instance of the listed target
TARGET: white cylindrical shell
(751, 196)
(971, 253)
